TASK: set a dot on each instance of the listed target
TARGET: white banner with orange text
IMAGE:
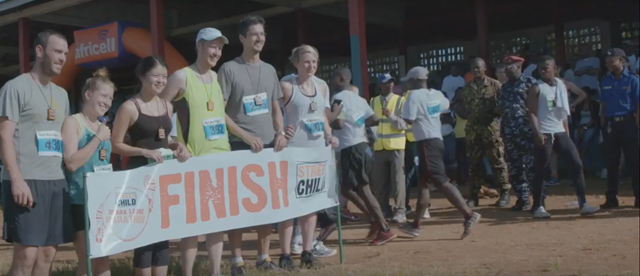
(208, 194)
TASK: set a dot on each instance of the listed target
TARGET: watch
(281, 132)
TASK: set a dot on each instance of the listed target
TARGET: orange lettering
(190, 197)
(260, 193)
(277, 184)
(167, 200)
(301, 171)
(210, 193)
(232, 181)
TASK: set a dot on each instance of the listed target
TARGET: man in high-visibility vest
(388, 161)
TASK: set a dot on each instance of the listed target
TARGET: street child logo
(311, 179)
(95, 44)
(128, 214)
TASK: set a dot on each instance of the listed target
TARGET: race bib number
(214, 128)
(49, 143)
(358, 119)
(314, 126)
(434, 109)
(103, 168)
(256, 104)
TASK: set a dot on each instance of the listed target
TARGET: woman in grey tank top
(305, 99)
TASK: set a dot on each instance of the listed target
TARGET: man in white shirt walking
(422, 110)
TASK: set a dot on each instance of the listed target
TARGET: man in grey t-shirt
(36, 211)
(251, 91)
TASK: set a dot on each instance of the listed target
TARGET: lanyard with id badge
(552, 101)
(255, 104)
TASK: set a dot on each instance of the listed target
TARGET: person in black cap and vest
(619, 111)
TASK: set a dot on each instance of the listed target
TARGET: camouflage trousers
(518, 147)
(486, 142)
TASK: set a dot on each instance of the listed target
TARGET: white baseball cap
(210, 34)
(416, 73)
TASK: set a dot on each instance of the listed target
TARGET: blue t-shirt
(620, 95)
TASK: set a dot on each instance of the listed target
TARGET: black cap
(616, 52)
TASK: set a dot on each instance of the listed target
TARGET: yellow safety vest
(389, 138)
(408, 131)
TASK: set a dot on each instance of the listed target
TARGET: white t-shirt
(528, 72)
(355, 111)
(587, 80)
(424, 107)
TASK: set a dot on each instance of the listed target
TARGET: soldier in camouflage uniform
(516, 129)
(480, 97)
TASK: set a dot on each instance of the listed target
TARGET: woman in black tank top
(147, 119)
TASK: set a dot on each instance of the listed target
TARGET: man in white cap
(189, 89)
(422, 110)
(388, 159)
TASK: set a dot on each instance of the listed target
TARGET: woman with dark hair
(147, 120)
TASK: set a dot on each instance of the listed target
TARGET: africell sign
(97, 43)
(208, 194)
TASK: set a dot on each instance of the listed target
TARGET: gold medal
(51, 114)
(313, 106)
(103, 154)
(210, 105)
(161, 134)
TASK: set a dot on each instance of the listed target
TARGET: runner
(147, 119)
(37, 216)
(87, 149)
(197, 98)
(422, 110)
(304, 97)
(251, 90)
(549, 108)
(355, 155)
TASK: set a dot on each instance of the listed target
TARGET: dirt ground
(505, 243)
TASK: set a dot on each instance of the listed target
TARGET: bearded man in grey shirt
(251, 90)
(37, 210)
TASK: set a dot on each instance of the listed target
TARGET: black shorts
(431, 164)
(239, 145)
(47, 223)
(156, 255)
(77, 216)
(355, 165)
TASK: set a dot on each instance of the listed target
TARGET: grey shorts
(47, 223)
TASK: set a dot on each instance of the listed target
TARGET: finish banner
(208, 194)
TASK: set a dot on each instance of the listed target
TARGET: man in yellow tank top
(388, 162)
(201, 125)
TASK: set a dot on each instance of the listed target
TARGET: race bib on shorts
(434, 109)
(49, 143)
(256, 104)
(214, 128)
(103, 168)
(314, 126)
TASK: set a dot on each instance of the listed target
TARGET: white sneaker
(296, 248)
(426, 214)
(321, 251)
(587, 210)
(541, 213)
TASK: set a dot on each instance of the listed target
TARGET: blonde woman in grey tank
(305, 99)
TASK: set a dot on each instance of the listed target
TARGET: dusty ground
(505, 243)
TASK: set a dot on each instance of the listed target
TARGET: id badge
(49, 143)
(103, 168)
(214, 128)
(314, 126)
(552, 103)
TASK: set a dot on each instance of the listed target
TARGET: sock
(297, 234)
(264, 257)
(237, 261)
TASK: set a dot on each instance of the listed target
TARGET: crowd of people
(441, 137)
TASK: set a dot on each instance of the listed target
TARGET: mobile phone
(103, 119)
(336, 101)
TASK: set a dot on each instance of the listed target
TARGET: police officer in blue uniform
(619, 118)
